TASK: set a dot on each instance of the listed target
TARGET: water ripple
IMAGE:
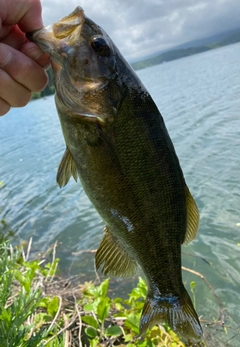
(199, 98)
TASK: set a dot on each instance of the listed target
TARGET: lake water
(199, 98)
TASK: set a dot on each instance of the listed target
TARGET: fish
(118, 145)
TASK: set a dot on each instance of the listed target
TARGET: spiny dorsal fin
(66, 169)
(113, 259)
(192, 218)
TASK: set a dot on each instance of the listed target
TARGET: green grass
(38, 309)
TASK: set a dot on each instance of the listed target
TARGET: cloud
(140, 28)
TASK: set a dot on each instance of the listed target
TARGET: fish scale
(119, 147)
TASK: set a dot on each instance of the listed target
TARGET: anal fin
(113, 259)
(66, 169)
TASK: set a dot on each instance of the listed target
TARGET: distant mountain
(190, 48)
(209, 40)
(178, 52)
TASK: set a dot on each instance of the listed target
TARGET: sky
(140, 28)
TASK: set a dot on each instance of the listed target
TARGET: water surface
(199, 98)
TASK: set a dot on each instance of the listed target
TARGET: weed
(39, 309)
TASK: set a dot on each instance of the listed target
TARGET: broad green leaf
(143, 287)
(119, 307)
(90, 307)
(141, 281)
(113, 331)
(94, 342)
(136, 293)
(24, 281)
(90, 290)
(90, 320)
(103, 288)
(52, 307)
(103, 309)
(44, 302)
(91, 332)
(133, 322)
(118, 300)
(128, 337)
(166, 327)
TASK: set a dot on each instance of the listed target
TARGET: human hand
(22, 63)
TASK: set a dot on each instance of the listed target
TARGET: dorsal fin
(192, 218)
(113, 259)
(66, 169)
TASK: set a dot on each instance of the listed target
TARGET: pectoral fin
(113, 259)
(66, 169)
(192, 218)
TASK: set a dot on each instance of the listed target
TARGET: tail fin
(177, 312)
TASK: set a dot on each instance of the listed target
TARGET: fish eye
(100, 46)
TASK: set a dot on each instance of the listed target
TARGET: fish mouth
(78, 74)
(55, 39)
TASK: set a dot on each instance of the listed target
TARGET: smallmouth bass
(117, 143)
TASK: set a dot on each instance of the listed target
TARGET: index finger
(27, 14)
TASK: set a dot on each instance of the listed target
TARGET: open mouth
(65, 26)
(51, 38)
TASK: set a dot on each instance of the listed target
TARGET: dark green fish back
(118, 145)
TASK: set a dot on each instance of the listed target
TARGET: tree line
(48, 90)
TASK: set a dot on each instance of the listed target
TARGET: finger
(15, 38)
(22, 69)
(34, 52)
(5, 30)
(26, 13)
(13, 93)
(4, 107)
